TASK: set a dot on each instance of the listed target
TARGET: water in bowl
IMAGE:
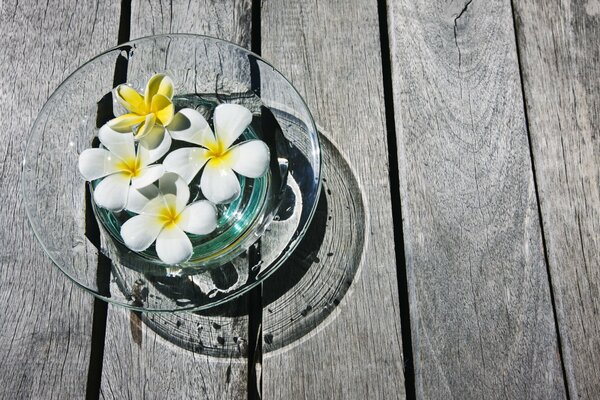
(241, 222)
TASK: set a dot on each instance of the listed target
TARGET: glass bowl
(83, 240)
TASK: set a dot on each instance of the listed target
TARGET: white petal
(250, 158)
(173, 246)
(139, 198)
(230, 121)
(190, 126)
(120, 144)
(147, 176)
(186, 162)
(171, 183)
(111, 193)
(140, 232)
(96, 163)
(154, 206)
(154, 145)
(219, 184)
(199, 218)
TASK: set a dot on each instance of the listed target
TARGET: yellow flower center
(218, 153)
(131, 166)
(169, 217)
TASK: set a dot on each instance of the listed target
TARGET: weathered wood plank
(138, 361)
(46, 320)
(560, 60)
(481, 314)
(331, 52)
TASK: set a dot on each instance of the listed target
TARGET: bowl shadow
(302, 293)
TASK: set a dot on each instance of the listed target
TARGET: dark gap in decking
(539, 208)
(92, 232)
(255, 345)
(98, 337)
(409, 374)
(254, 383)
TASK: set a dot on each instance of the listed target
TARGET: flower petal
(155, 206)
(111, 193)
(250, 158)
(125, 122)
(139, 198)
(190, 126)
(158, 84)
(120, 144)
(154, 144)
(129, 98)
(173, 246)
(147, 176)
(163, 108)
(97, 163)
(171, 183)
(199, 218)
(186, 162)
(146, 126)
(230, 121)
(219, 183)
(140, 232)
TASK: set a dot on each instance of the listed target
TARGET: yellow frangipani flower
(154, 107)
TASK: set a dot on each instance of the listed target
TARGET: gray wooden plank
(481, 313)
(182, 355)
(46, 320)
(559, 50)
(331, 53)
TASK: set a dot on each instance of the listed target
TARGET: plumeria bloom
(146, 111)
(121, 166)
(148, 114)
(219, 158)
(165, 218)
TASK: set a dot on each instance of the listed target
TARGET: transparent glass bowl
(83, 241)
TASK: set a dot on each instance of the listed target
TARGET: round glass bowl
(270, 216)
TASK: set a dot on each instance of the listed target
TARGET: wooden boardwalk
(472, 130)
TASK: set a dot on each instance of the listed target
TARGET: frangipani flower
(155, 107)
(165, 218)
(120, 166)
(150, 116)
(219, 158)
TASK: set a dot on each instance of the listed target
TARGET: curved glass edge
(269, 270)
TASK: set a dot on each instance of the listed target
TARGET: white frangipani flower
(121, 167)
(165, 218)
(219, 158)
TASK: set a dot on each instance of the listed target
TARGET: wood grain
(481, 313)
(151, 356)
(560, 60)
(46, 320)
(331, 53)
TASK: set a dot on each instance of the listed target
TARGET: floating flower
(165, 218)
(155, 107)
(219, 158)
(121, 167)
(148, 114)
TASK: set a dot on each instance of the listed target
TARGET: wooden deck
(472, 130)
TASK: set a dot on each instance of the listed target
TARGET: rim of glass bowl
(279, 260)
